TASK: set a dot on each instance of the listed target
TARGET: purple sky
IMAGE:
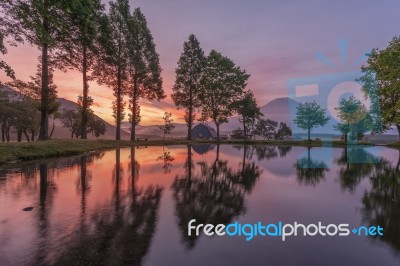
(272, 40)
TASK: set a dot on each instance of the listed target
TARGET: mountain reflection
(211, 193)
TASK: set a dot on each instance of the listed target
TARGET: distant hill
(60, 132)
(277, 110)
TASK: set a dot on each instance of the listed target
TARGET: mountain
(152, 132)
(278, 110)
(60, 132)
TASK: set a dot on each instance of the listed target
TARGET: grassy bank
(25, 151)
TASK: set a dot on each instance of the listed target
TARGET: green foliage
(42, 24)
(112, 69)
(144, 67)
(266, 128)
(249, 112)
(355, 119)
(79, 50)
(283, 131)
(186, 90)
(381, 86)
(310, 115)
(168, 126)
(222, 85)
(18, 111)
(72, 119)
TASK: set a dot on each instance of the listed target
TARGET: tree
(354, 118)
(248, 110)
(168, 126)
(310, 115)
(79, 49)
(7, 30)
(187, 90)
(70, 119)
(144, 67)
(266, 128)
(381, 86)
(41, 23)
(283, 132)
(112, 67)
(222, 85)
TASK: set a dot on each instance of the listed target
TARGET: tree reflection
(381, 205)
(265, 152)
(355, 164)
(167, 160)
(119, 233)
(214, 194)
(310, 172)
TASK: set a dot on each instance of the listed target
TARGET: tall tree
(79, 49)
(381, 85)
(42, 24)
(7, 30)
(249, 111)
(310, 115)
(112, 68)
(222, 85)
(144, 67)
(186, 90)
(354, 117)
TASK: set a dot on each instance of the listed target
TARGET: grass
(26, 151)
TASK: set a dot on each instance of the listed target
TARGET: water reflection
(381, 204)
(351, 173)
(131, 206)
(211, 193)
(310, 171)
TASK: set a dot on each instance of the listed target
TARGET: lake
(132, 206)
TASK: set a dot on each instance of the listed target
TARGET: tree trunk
(3, 132)
(44, 102)
(398, 130)
(134, 107)
(26, 135)
(33, 135)
(309, 134)
(190, 113)
(217, 125)
(244, 130)
(85, 95)
(119, 91)
(19, 135)
(8, 127)
(345, 137)
(72, 134)
(52, 130)
(189, 162)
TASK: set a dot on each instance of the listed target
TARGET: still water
(132, 206)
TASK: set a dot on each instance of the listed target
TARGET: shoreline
(15, 152)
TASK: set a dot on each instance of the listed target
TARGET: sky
(274, 41)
